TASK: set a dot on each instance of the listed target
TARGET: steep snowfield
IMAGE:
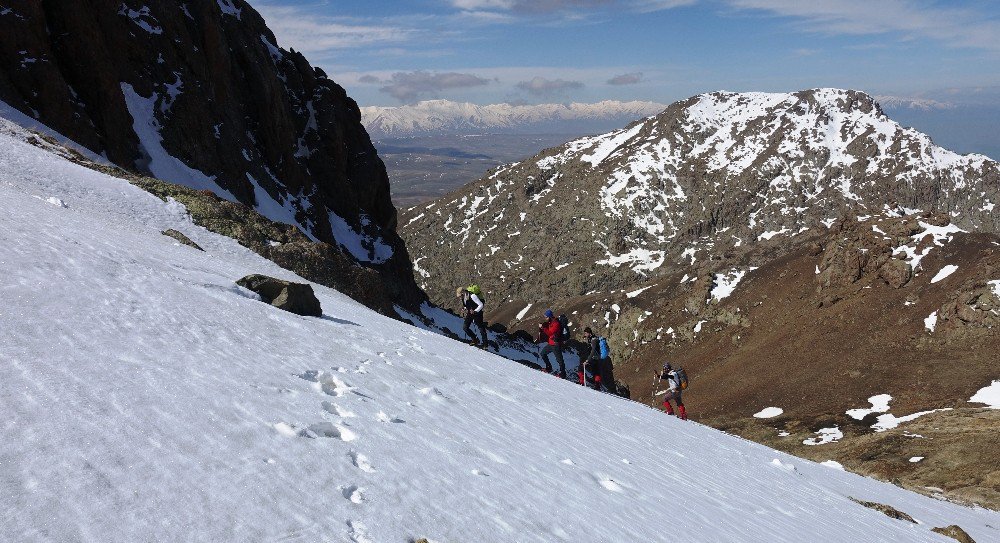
(147, 398)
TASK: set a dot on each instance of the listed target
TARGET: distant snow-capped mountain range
(447, 117)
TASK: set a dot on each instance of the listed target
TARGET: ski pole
(656, 388)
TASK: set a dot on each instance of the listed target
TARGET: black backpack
(564, 326)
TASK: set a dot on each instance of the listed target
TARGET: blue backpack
(603, 346)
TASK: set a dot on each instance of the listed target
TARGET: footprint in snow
(609, 484)
(335, 409)
(328, 429)
(326, 383)
(353, 494)
(433, 392)
(567, 461)
(383, 417)
(285, 429)
(480, 473)
(358, 532)
(361, 462)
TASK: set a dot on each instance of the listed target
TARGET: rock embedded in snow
(886, 510)
(181, 238)
(295, 298)
(955, 532)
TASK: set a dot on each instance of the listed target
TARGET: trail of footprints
(334, 385)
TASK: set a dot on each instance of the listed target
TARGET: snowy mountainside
(711, 176)
(445, 116)
(148, 396)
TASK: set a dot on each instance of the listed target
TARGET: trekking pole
(656, 388)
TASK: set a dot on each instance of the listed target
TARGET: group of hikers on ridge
(554, 332)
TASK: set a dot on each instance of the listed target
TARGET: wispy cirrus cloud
(410, 86)
(626, 79)
(310, 32)
(919, 19)
(540, 86)
(570, 7)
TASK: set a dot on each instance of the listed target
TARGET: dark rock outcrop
(295, 298)
(198, 93)
(886, 510)
(955, 532)
(181, 238)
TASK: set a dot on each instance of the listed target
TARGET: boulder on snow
(955, 532)
(171, 233)
(295, 298)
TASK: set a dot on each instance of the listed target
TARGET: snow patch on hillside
(362, 247)
(880, 404)
(725, 283)
(944, 273)
(769, 413)
(989, 395)
(158, 161)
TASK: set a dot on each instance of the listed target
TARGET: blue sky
(388, 52)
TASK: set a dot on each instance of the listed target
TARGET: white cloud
(573, 7)
(912, 18)
(540, 86)
(626, 79)
(409, 86)
(308, 32)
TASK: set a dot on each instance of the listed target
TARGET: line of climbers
(554, 332)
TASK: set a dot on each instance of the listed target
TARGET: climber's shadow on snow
(339, 321)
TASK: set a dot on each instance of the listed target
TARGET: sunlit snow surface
(146, 397)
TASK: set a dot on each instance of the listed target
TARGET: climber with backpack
(598, 362)
(472, 300)
(677, 381)
(554, 333)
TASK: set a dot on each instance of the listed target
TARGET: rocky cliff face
(199, 93)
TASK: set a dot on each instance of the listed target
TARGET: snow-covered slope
(444, 116)
(146, 397)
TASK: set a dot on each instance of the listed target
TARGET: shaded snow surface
(146, 397)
